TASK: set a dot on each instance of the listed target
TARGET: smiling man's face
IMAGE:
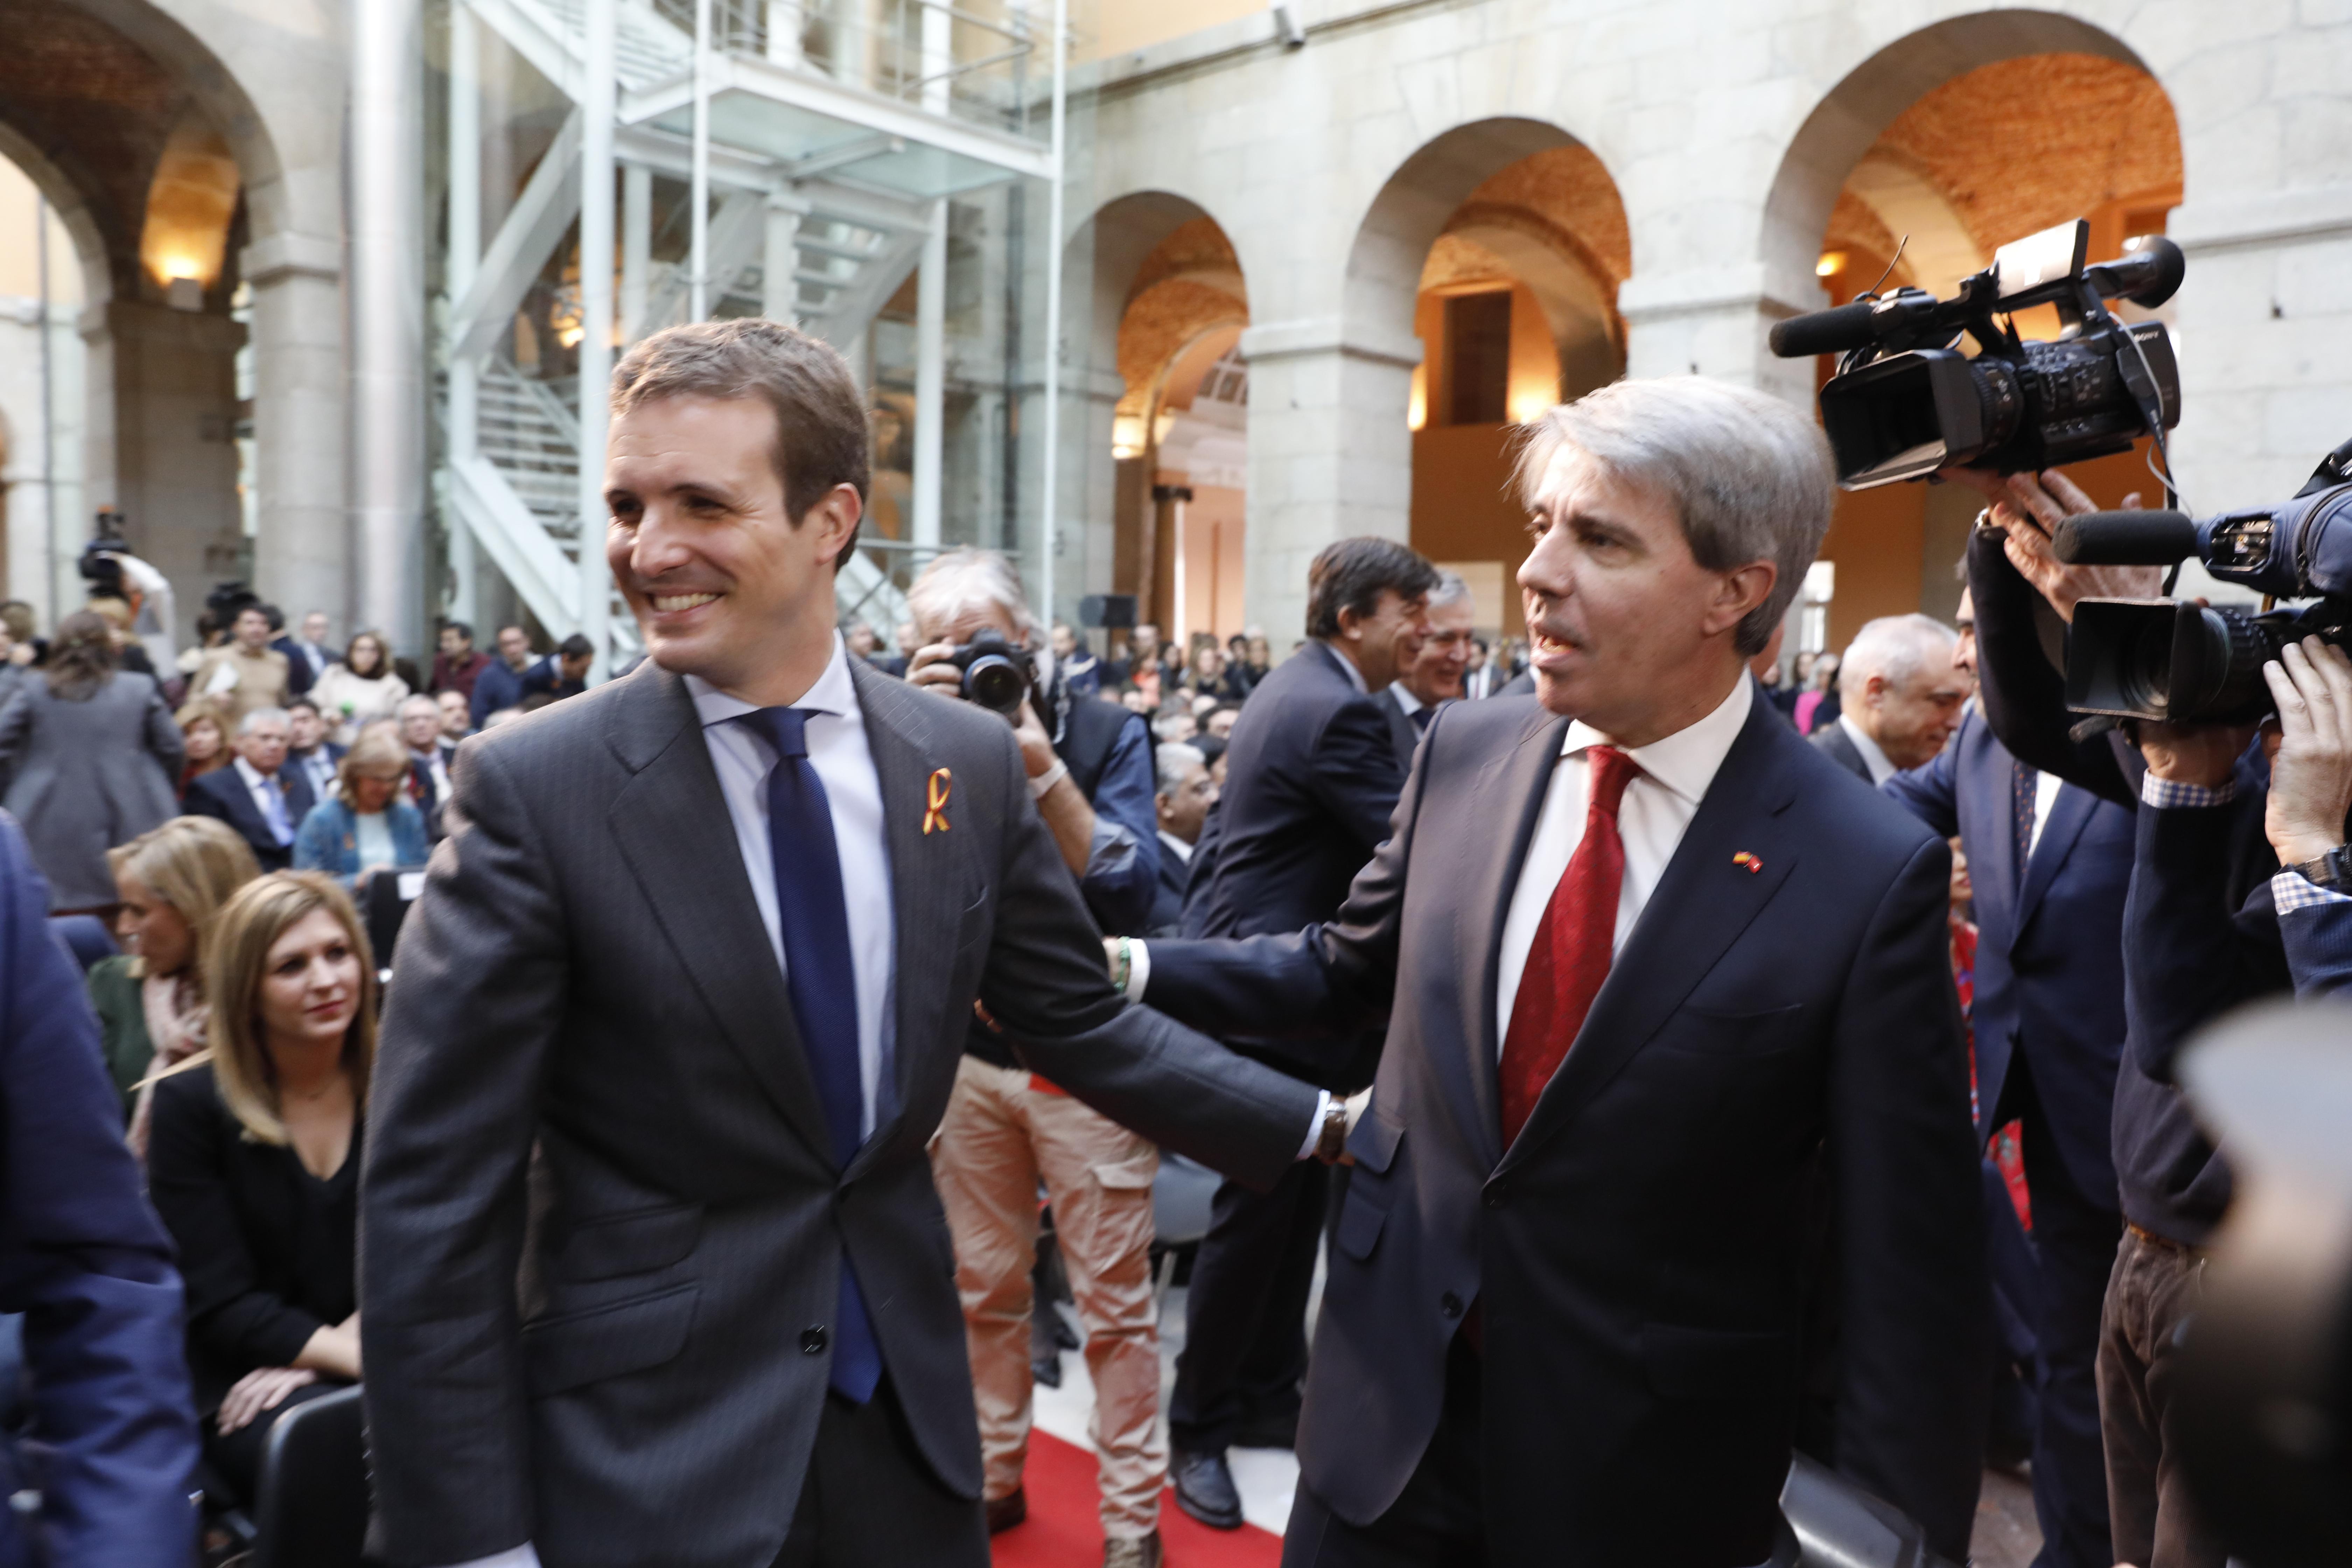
(720, 577)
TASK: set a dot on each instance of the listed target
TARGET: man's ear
(1737, 592)
(836, 516)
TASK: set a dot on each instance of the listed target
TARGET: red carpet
(1064, 1529)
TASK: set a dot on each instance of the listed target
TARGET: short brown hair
(821, 435)
(1351, 573)
(243, 933)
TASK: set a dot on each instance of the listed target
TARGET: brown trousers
(2154, 1288)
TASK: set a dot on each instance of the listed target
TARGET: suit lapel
(1699, 910)
(926, 896)
(2069, 813)
(1511, 788)
(671, 825)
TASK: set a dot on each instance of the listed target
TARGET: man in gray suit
(1901, 697)
(677, 1014)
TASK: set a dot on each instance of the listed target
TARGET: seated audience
(368, 824)
(204, 739)
(1220, 722)
(309, 752)
(256, 794)
(456, 716)
(429, 759)
(254, 1163)
(1183, 800)
(460, 662)
(151, 996)
(1175, 727)
(360, 688)
(500, 682)
(244, 672)
(564, 672)
(90, 753)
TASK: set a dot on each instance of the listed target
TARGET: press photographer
(1090, 770)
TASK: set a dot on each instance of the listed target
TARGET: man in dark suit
(1902, 697)
(256, 794)
(1651, 966)
(679, 1008)
(309, 755)
(2050, 864)
(109, 1443)
(1184, 797)
(1436, 672)
(1311, 775)
(300, 673)
(430, 760)
(499, 684)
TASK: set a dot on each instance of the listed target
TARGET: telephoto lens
(996, 675)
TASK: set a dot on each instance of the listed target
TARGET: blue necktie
(273, 810)
(822, 980)
(1421, 718)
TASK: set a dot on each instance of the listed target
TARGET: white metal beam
(596, 245)
(847, 316)
(536, 36)
(515, 257)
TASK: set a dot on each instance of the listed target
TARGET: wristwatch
(1332, 1141)
(2332, 871)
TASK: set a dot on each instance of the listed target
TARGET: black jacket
(222, 793)
(1831, 741)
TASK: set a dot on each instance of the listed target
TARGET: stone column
(303, 555)
(1329, 453)
(1713, 322)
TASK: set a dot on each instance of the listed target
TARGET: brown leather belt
(2165, 1242)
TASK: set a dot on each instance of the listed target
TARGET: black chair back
(312, 1507)
(385, 906)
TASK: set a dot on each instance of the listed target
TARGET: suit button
(813, 1339)
(1450, 1304)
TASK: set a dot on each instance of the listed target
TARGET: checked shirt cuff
(2171, 794)
(2293, 890)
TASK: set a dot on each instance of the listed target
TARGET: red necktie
(1569, 957)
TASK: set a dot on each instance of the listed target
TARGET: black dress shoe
(1205, 1489)
(1004, 1513)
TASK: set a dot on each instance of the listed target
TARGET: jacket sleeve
(200, 800)
(230, 1313)
(82, 1257)
(165, 742)
(2189, 956)
(1333, 980)
(453, 1113)
(316, 845)
(1913, 1284)
(1121, 877)
(2318, 940)
(1353, 769)
(1045, 984)
(1928, 794)
(2023, 693)
(16, 727)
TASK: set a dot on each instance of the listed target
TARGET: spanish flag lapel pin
(1747, 862)
(935, 801)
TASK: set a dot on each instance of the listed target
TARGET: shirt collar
(1182, 850)
(1347, 666)
(1880, 770)
(1405, 699)
(1686, 761)
(249, 774)
(834, 693)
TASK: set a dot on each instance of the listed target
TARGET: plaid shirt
(2290, 890)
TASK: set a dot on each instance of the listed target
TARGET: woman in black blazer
(254, 1159)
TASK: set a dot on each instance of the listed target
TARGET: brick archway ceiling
(1191, 282)
(2020, 144)
(99, 108)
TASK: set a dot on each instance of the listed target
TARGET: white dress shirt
(1880, 770)
(2045, 795)
(837, 748)
(1656, 811)
(1348, 667)
(1176, 847)
(744, 757)
(435, 768)
(1402, 695)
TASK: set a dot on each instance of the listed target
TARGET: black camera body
(1907, 401)
(996, 674)
(2184, 663)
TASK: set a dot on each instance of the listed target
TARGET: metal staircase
(855, 147)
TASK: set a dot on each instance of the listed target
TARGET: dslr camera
(996, 675)
(2186, 663)
(1908, 400)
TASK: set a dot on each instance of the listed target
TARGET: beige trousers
(1001, 1137)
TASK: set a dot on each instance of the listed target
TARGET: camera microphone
(2124, 538)
(1824, 332)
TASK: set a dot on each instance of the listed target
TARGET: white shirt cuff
(1138, 969)
(517, 1557)
(1315, 1125)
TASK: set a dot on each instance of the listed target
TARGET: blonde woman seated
(151, 997)
(368, 823)
(255, 1158)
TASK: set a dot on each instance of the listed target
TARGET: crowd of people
(1716, 1052)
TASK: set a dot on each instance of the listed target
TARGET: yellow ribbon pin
(935, 805)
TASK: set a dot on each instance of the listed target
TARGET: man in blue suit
(2051, 864)
(258, 793)
(82, 1256)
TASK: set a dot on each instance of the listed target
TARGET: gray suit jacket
(587, 971)
(87, 776)
(1831, 741)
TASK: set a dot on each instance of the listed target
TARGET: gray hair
(1450, 590)
(1747, 473)
(1173, 760)
(1895, 647)
(414, 698)
(259, 716)
(964, 580)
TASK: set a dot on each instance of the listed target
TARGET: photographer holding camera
(1090, 770)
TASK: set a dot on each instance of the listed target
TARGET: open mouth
(677, 604)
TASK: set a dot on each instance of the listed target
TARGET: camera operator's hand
(933, 670)
(2029, 508)
(2311, 767)
(2200, 755)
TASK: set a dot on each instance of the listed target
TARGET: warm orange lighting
(1416, 408)
(174, 267)
(1832, 263)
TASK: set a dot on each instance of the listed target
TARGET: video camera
(996, 675)
(1907, 401)
(2186, 663)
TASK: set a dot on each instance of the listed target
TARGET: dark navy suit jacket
(2050, 958)
(222, 793)
(1638, 1254)
(82, 1256)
